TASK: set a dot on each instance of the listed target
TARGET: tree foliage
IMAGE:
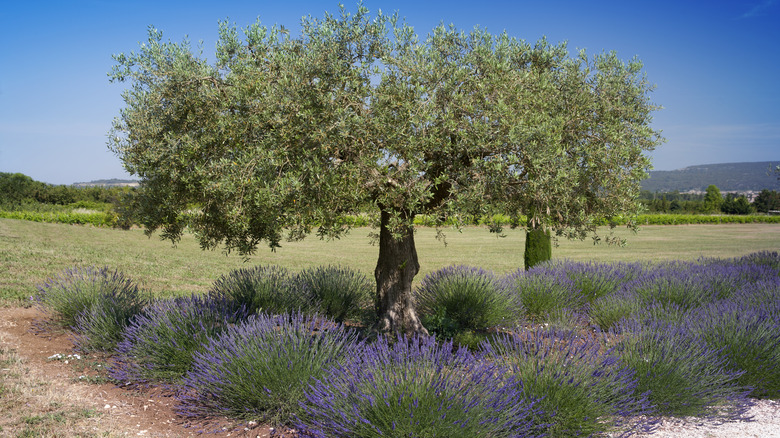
(712, 199)
(734, 204)
(766, 201)
(285, 134)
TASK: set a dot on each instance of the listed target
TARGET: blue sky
(716, 66)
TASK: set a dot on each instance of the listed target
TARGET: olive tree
(282, 136)
(576, 140)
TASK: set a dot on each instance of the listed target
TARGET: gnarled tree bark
(395, 270)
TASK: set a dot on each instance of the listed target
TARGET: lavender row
(699, 338)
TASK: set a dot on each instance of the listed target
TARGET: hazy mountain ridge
(114, 182)
(753, 176)
(742, 177)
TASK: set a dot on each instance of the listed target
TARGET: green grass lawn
(31, 252)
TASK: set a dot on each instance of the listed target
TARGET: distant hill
(108, 183)
(739, 177)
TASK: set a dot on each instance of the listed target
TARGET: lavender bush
(77, 290)
(268, 289)
(608, 310)
(682, 375)
(340, 293)
(583, 388)
(675, 288)
(747, 329)
(102, 326)
(684, 286)
(542, 293)
(769, 259)
(461, 298)
(724, 277)
(417, 388)
(258, 370)
(159, 343)
(593, 280)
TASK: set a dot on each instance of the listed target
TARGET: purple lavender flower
(583, 387)
(593, 279)
(417, 387)
(680, 372)
(159, 343)
(259, 369)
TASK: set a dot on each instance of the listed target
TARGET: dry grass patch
(33, 405)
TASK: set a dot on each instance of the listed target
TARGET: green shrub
(337, 292)
(76, 291)
(542, 293)
(682, 375)
(159, 343)
(538, 247)
(460, 298)
(605, 312)
(102, 326)
(98, 219)
(583, 390)
(268, 289)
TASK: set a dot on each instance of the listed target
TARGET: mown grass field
(31, 252)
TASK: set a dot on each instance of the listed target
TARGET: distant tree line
(710, 202)
(17, 189)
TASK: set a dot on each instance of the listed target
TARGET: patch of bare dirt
(122, 412)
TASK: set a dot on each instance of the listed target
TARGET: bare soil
(79, 383)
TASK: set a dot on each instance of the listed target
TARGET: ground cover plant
(459, 298)
(159, 344)
(260, 369)
(417, 387)
(689, 373)
(583, 389)
(264, 288)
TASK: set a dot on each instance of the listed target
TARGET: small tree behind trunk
(538, 246)
(395, 270)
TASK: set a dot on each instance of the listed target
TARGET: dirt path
(36, 387)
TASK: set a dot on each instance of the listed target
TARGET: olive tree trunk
(395, 270)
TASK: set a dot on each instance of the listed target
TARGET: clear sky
(716, 65)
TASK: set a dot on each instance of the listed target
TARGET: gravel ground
(765, 424)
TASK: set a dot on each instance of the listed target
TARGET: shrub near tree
(287, 134)
(734, 204)
(712, 199)
(767, 201)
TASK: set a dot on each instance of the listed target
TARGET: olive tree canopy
(283, 135)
